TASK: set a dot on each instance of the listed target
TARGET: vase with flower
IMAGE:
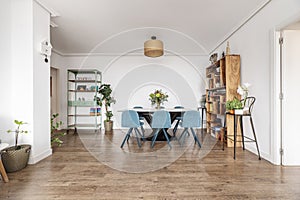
(157, 98)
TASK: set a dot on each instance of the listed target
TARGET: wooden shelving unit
(223, 78)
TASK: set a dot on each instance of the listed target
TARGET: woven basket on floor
(15, 160)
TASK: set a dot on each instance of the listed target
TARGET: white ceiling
(122, 26)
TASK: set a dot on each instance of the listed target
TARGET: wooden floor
(73, 173)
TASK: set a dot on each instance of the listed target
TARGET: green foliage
(234, 104)
(105, 99)
(18, 131)
(55, 134)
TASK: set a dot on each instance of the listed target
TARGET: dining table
(148, 112)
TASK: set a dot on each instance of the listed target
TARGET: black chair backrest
(249, 103)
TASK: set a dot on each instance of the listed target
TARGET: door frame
(276, 85)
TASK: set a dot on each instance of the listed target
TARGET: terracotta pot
(231, 111)
(108, 126)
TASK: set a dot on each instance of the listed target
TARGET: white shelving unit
(83, 111)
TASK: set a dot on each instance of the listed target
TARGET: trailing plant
(105, 99)
(18, 131)
(55, 133)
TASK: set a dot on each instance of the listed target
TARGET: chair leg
(166, 135)
(176, 127)
(142, 128)
(255, 137)
(195, 137)
(137, 137)
(141, 135)
(242, 131)
(154, 138)
(183, 132)
(184, 136)
(126, 137)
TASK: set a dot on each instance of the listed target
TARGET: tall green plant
(105, 99)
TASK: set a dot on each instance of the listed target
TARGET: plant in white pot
(16, 157)
(107, 100)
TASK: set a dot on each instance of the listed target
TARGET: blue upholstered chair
(130, 119)
(191, 119)
(178, 119)
(141, 118)
(161, 119)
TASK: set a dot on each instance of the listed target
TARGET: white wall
(41, 86)
(5, 71)
(24, 76)
(254, 42)
(134, 77)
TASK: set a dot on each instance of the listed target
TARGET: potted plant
(107, 100)
(234, 104)
(16, 157)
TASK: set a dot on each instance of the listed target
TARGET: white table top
(3, 146)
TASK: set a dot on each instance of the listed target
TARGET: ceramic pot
(108, 126)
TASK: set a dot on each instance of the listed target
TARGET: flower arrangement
(158, 97)
(243, 91)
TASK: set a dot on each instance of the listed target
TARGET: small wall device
(46, 49)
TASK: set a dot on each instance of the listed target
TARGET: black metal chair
(248, 104)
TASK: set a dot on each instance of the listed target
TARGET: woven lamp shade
(153, 47)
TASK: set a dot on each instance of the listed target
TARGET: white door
(291, 98)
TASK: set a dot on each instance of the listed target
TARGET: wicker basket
(15, 160)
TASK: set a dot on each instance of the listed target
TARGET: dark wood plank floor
(73, 173)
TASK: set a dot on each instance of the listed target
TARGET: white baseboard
(33, 159)
(263, 155)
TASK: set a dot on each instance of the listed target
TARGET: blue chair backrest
(161, 119)
(191, 118)
(130, 118)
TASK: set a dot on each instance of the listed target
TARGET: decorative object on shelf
(56, 134)
(157, 98)
(153, 48)
(81, 87)
(213, 58)
(227, 49)
(107, 100)
(16, 157)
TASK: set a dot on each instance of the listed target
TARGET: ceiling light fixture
(153, 48)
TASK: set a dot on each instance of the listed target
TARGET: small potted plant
(232, 105)
(107, 100)
(16, 157)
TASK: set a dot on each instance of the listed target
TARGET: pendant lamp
(153, 48)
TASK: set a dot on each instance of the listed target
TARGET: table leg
(3, 172)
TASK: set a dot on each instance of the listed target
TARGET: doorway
(289, 95)
(54, 91)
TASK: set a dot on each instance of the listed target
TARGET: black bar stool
(246, 113)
